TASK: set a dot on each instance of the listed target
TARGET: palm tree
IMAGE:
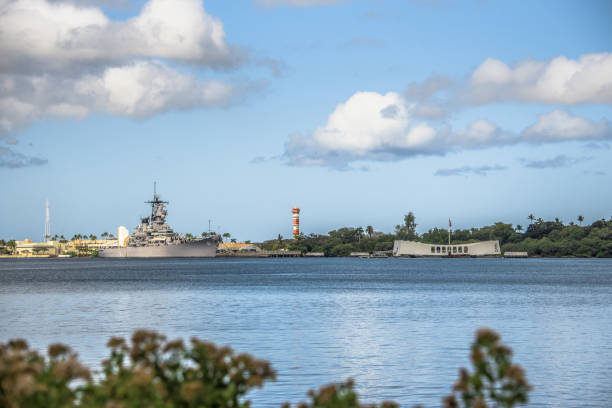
(370, 231)
(540, 220)
(227, 235)
(531, 217)
(519, 228)
(359, 232)
(580, 219)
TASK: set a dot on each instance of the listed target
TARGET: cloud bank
(37, 35)
(67, 59)
(393, 126)
(561, 80)
(373, 126)
(138, 90)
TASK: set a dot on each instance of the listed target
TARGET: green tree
(204, 234)
(580, 219)
(531, 218)
(519, 228)
(226, 235)
(408, 229)
(359, 232)
(370, 231)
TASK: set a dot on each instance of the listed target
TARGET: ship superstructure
(154, 238)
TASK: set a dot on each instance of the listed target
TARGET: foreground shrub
(153, 372)
(495, 380)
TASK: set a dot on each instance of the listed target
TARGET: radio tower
(47, 224)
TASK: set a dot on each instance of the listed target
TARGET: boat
(154, 238)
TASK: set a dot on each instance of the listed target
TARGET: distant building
(240, 247)
(29, 248)
(89, 244)
(54, 248)
(314, 254)
(420, 249)
(516, 254)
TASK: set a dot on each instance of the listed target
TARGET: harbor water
(400, 328)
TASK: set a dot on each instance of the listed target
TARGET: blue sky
(355, 111)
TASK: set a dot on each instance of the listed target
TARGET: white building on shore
(420, 249)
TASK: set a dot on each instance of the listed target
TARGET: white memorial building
(420, 249)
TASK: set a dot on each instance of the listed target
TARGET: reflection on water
(400, 327)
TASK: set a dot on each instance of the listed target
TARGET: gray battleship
(154, 238)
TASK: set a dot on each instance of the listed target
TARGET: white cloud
(364, 123)
(561, 80)
(373, 126)
(299, 3)
(558, 126)
(138, 90)
(67, 59)
(38, 36)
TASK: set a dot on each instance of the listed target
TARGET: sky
(356, 111)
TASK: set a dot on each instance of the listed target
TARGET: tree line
(540, 238)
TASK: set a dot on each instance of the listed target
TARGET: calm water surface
(400, 327)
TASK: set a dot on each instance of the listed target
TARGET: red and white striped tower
(296, 221)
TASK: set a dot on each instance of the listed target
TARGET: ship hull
(206, 248)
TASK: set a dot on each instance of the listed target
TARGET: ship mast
(156, 201)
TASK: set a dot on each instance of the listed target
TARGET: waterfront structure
(154, 238)
(296, 221)
(314, 254)
(420, 249)
(235, 247)
(508, 254)
(29, 248)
